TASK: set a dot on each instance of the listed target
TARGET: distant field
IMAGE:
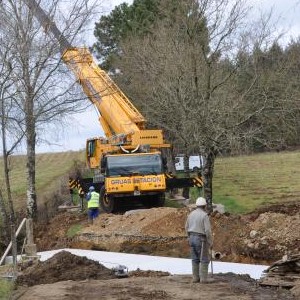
(51, 170)
(246, 182)
(240, 183)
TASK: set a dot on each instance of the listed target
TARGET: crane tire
(107, 202)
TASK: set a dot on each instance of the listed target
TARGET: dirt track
(153, 288)
(225, 286)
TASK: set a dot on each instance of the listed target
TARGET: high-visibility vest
(94, 201)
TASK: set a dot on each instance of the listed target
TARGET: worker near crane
(199, 233)
(92, 198)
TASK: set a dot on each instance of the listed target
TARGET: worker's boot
(203, 273)
(195, 267)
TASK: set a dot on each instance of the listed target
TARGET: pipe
(217, 255)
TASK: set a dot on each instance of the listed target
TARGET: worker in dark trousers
(199, 233)
(93, 204)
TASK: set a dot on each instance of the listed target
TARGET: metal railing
(10, 244)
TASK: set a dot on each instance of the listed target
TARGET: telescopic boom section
(118, 116)
(48, 25)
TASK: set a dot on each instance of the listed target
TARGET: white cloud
(285, 14)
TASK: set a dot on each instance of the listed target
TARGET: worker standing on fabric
(199, 233)
(93, 204)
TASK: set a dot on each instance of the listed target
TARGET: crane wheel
(107, 202)
(154, 200)
(160, 200)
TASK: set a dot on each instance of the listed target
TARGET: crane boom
(118, 116)
(47, 24)
(129, 161)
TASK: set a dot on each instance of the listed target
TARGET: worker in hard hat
(198, 229)
(93, 203)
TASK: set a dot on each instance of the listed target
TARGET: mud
(225, 286)
(63, 266)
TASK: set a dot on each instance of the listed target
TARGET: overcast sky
(85, 125)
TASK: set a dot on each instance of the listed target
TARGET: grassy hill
(51, 173)
(241, 183)
(246, 182)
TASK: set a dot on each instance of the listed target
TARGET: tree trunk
(3, 220)
(31, 140)
(31, 192)
(8, 189)
(168, 160)
(7, 179)
(5, 154)
(208, 179)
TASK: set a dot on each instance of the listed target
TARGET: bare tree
(184, 77)
(45, 89)
(11, 132)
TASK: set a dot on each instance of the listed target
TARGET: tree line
(217, 81)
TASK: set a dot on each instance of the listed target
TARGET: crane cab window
(91, 146)
(127, 165)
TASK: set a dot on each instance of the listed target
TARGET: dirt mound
(271, 236)
(260, 237)
(156, 231)
(64, 266)
(53, 234)
(162, 221)
(288, 208)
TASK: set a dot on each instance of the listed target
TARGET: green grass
(172, 203)
(51, 171)
(6, 288)
(73, 230)
(241, 183)
(246, 182)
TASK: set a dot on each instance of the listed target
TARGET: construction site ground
(261, 237)
(67, 276)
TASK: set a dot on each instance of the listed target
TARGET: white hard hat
(200, 201)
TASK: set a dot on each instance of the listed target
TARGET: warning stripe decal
(75, 184)
(198, 181)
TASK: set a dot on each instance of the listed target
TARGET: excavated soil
(66, 277)
(260, 237)
(63, 266)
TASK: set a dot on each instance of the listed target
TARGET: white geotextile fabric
(180, 266)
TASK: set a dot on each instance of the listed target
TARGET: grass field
(240, 183)
(246, 182)
(51, 171)
(6, 288)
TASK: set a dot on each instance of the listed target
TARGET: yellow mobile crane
(128, 162)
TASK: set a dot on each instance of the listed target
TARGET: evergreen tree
(124, 20)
